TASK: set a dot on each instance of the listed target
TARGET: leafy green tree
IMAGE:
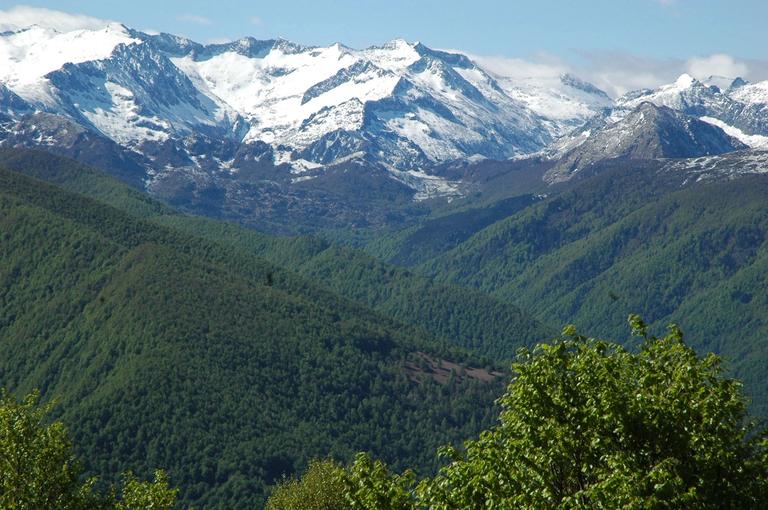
(369, 485)
(320, 488)
(38, 469)
(589, 424)
(142, 495)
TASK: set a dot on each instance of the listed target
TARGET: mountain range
(287, 138)
(441, 216)
(403, 104)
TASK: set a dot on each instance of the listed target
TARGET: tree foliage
(167, 349)
(38, 469)
(589, 424)
(320, 488)
(586, 424)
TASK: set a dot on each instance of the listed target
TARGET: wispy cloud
(24, 16)
(255, 20)
(618, 73)
(194, 18)
(717, 65)
(540, 66)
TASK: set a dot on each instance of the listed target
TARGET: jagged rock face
(401, 106)
(161, 110)
(64, 137)
(647, 132)
(425, 105)
(751, 116)
(11, 105)
(741, 105)
(137, 95)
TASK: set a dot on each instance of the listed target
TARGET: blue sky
(652, 39)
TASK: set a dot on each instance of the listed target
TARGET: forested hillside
(633, 240)
(488, 325)
(166, 350)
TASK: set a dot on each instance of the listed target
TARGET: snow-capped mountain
(646, 132)
(564, 102)
(742, 106)
(402, 105)
(266, 129)
(402, 102)
(736, 111)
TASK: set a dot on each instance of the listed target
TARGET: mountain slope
(192, 112)
(167, 350)
(647, 132)
(742, 106)
(464, 317)
(488, 326)
(661, 239)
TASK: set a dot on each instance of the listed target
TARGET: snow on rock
(565, 101)
(727, 166)
(28, 55)
(401, 105)
(753, 141)
(439, 102)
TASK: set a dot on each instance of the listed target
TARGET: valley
(231, 259)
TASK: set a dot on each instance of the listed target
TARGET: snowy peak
(568, 80)
(647, 132)
(563, 102)
(401, 106)
(686, 94)
(28, 55)
(735, 103)
(135, 95)
(428, 105)
(684, 81)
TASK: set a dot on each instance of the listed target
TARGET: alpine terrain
(240, 261)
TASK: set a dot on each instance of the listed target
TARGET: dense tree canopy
(38, 469)
(587, 423)
(167, 349)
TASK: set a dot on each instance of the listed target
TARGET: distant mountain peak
(402, 106)
(649, 131)
(685, 81)
(577, 83)
(738, 82)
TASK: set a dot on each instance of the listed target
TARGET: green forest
(177, 361)
(585, 423)
(168, 350)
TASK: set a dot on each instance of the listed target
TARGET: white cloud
(618, 73)
(194, 18)
(615, 73)
(24, 16)
(716, 65)
(520, 68)
(255, 20)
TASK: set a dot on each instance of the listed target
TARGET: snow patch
(28, 55)
(753, 141)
